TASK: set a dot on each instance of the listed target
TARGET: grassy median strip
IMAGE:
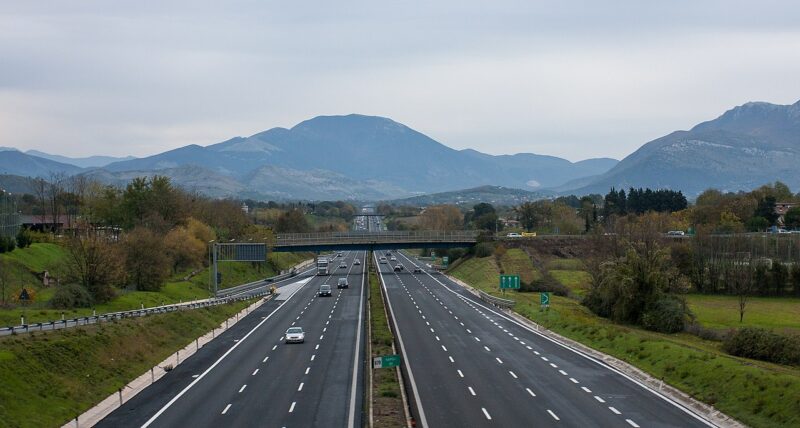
(756, 393)
(46, 379)
(387, 402)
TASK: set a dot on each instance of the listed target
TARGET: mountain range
(746, 147)
(333, 157)
(373, 158)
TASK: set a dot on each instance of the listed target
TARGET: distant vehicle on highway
(393, 258)
(417, 269)
(322, 266)
(528, 234)
(513, 235)
(398, 268)
(676, 233)
(357, 262)
(295, 335)
(342, 283)
(339, 254)
(324, 290)
(342, 265)
(382, 260)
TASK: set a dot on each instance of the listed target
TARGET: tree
(293, 221)
(766, 209)
(526, 214)
(729, 223)
(740, 282)
(441, 217)
(146, 263)
(632, 289)
(183, 249)
(792, 218)
(94, 263)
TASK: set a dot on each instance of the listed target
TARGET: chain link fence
(9, 218)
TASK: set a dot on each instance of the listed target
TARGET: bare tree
(740, 282)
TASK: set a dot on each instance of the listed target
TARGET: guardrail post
(177, 357)
(120, 397)
(152, 376)
(197, 344)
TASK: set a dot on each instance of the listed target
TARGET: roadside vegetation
(387, 403)
(46, 379)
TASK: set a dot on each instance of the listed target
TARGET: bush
(762, 344)
(545, 283)
(7, 244)
(705, 333)
(24, 238)
(666, 315)
(71, 296)
(484, 249)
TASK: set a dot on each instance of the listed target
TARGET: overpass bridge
(357, 240)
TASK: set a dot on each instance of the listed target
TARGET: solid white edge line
(351, 420)
(422, 419)
(219, 360)
(470, 297)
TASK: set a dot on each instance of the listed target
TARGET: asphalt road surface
(249, 377)
(472, 366)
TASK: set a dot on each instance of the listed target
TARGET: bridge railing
(432, 236)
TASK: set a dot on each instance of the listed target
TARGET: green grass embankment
(175, 290)
(387, 402)
(46, 379)
(756, 393)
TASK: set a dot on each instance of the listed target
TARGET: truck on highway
(322, 266)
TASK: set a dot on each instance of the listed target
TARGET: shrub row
(762, 344)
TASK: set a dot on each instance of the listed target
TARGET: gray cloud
(573, 79)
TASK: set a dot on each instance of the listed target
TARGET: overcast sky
(575, 79)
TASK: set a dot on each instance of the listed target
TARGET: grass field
(516, 261)
(61, 374)
(576, 280)
(757, 393)
(722, 312)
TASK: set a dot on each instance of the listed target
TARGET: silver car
(295, 335)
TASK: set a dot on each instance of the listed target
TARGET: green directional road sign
(385, 361)
(445, 260)
(509, 281)
(544, 298)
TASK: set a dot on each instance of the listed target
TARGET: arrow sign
(509, 281)
(544, 298)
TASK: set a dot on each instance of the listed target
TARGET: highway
(248, 376)
(470, 365)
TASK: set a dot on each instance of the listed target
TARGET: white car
(393, 258)
(356, 262)
(295, 335)
(513, 235)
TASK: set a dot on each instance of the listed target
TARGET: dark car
(417, 269)
(398, 268)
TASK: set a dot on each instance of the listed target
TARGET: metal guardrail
(503, 303)
(429, 236)
(94, 319)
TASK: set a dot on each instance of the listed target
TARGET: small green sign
(445, 260)
(385, 361)
(509, 281)
(544, 298)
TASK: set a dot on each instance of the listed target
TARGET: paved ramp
(287, 290)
